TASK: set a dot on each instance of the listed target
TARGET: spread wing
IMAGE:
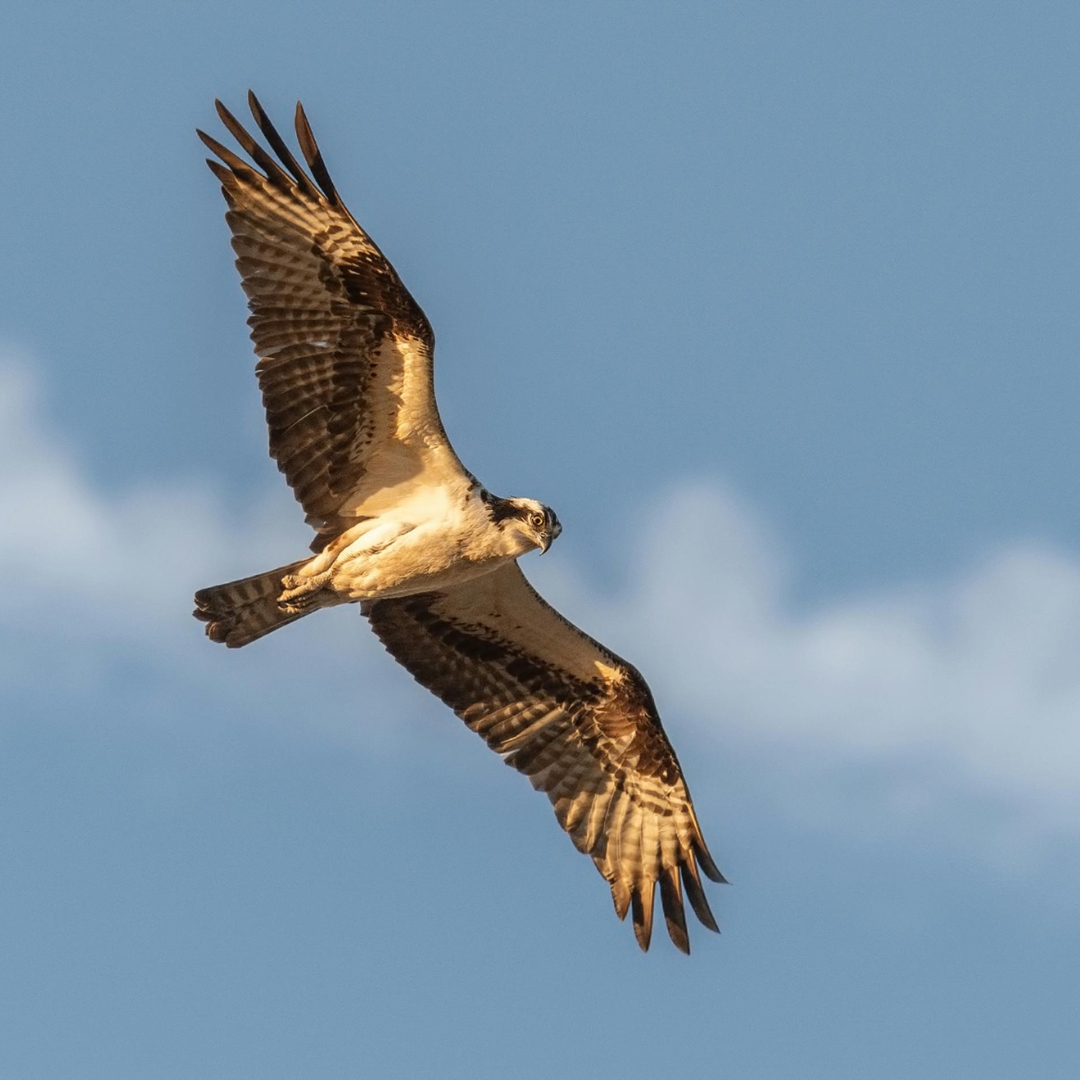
(345, 353)
(575, 719)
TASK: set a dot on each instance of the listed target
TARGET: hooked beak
(545, 543)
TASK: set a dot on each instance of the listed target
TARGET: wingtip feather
(207, 140)
(274, 173)
(696, 895)
(313, 156)
(620, 896)
(221, 173)
(237, 165)
(224, 115)
(279, 146)
(642, 899)
(712, 872)
(674, 914)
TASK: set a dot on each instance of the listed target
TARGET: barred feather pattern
(345, 353)
(240, 612)
(575, 719)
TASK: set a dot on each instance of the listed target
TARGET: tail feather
(241, 611)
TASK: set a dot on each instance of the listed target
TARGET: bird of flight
(404, 529)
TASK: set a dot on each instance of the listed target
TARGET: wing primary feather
(702, 852)
(674, 915)
(280, 147)
(237, 164)
(707, 864)
(696, 895)
(223, 175)
(313, 156)
(641, 898)
(620, 894)
(274, 172)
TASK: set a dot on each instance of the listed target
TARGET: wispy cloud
(966, 689)
(97, 584)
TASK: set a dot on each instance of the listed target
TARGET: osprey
(404, 529)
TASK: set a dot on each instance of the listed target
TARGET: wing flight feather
(575, 719)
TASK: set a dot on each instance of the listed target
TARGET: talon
(298, 594)
(298, 601)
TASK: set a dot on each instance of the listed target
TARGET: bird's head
(530, 523)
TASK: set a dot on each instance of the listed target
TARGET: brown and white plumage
(573, 717)
(345, 367)
(345, 353)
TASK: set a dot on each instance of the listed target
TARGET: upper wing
(572, 716)
(345, 353)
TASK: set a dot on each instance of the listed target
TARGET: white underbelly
(392, 557)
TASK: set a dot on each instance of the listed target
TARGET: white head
(526, 523)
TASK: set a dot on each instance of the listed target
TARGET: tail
(241, 611)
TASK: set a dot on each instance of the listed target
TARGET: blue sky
(776, 304)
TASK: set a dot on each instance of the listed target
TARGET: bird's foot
(299, 594)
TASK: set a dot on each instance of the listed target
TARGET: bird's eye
(537, 521)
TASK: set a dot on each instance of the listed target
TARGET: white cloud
(61, 538)
(963, 691)
(965, 688)
(95, 581)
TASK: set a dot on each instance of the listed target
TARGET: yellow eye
(537, 521)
